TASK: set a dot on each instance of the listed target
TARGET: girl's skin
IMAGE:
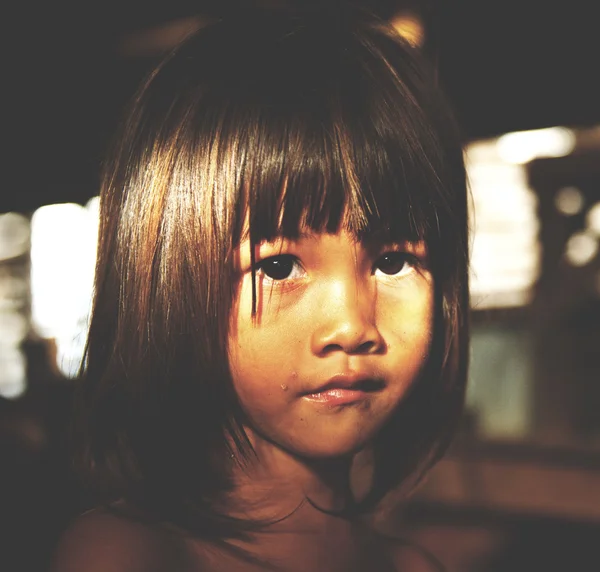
(327, 307)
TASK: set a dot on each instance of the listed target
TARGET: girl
(279, 333)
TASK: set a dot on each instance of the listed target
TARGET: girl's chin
(333, 452)
(310, 447)
(333, 449)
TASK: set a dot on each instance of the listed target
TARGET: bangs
(343, 169)
(338, 175)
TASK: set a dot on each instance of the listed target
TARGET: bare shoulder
(103, 541)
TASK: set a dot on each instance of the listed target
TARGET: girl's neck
(274, 483)
(286, 491)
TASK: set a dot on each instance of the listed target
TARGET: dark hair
(316, 119)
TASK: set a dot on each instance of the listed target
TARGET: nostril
(366, 347)
(329, 348)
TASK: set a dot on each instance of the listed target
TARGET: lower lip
(336, 396)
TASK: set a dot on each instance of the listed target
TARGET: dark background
(506, 65)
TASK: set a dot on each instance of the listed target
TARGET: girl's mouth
(343, 389)
(337, 396)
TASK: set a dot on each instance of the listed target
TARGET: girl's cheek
(406, 310)
(414, 294)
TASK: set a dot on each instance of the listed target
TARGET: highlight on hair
(283, 122)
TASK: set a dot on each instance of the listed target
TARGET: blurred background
(520, 487)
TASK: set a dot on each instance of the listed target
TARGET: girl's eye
(394, 263)
(282, 267)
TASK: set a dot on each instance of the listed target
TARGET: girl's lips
(345, 384)
(336, 396)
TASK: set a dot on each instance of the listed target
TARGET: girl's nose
(347, 323)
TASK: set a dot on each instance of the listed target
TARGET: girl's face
(341, 331)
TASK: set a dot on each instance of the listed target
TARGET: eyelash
(283, 260)
(399, 256)
(259, 267)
